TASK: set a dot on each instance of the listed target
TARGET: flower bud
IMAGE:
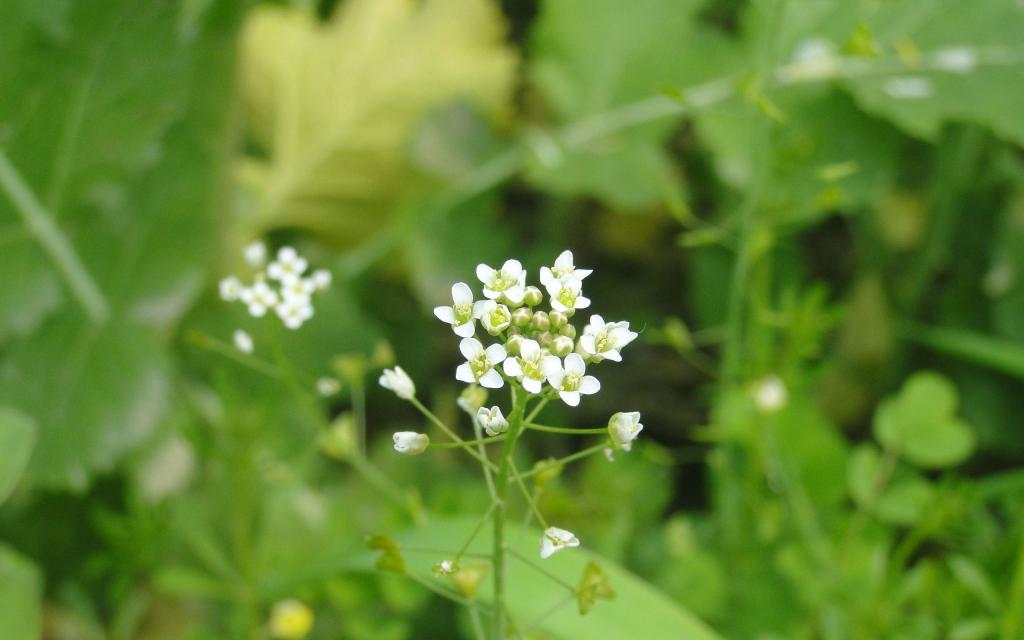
(541, 321)
(624, 427)
(555, 539)
(492, 420)
(544, 339)
(558, 319)
(533, 296)
(472, 398)
(468, 577)
(568, 331)
(513, 343)
(411, 443)
(290, 620)
(545, 471)
(562, 346)
(339, 440)
(398, 381)
(521, 317)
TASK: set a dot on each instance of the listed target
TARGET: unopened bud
(513, 344)
(557, 319)
(521, 317)
(541, 322)
(533, 296)
(568, 331)
(562, 346)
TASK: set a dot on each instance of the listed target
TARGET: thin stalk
(441, 591)
(515, 428)
(476, 530)
(448, 432)
(579, 455)
(1014, 615)
(255, 363)
(488, 476)
(527, 496)
(459, 445)
(567, 430)
(539, 569)
(537, 409)
(478, 627)
(40, 223)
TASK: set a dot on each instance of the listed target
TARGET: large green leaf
(21, 592)
(17, 436)
(638, 610)
(590, 59)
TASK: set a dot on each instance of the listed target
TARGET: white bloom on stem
(603, 340)
(294, 311)
(327, 386)
(563, 268)
(494, 317)
(508, 282)
(288, 266)
(243, 341)
(398, 380)
(555, 539)
(492, 420)
(300, 290)
(568, 378)
(321, 279)
(462, 312)
(770, 394)
(480, 363)
(527, 366)
(567, 295)
(230, 289)
(255, 254)
(624, 427)
(410, 443)
(259, 297)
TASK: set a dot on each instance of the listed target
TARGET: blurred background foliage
(822, 193)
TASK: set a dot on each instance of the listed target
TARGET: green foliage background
(852, 223)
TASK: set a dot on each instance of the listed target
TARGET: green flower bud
(558, 319)
(472, 398)
(533, 296)
(541, 322)
(562, 346)
(339, 441)
(513, 344)
(568, 331)
(544, 339)
(521, 317)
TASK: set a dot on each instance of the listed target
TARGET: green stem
(526, 494)
(476, 530)
(44, 229)
(1015, 599)
(459, 445)
(579, 455)
(462, 444)
(537, 409)
(515, 428)
(567, 430)
(539, 569)
(210, 343)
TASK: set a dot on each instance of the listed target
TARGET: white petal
(582, 302)
(564, 259)
(557, 305)
(464, 330)
(496, 353)
(596, 323)
(551, 366)
(484, 273)
(512, 267)
(445, 314)
(461, 293)
(512, 368)
(612, 355)
(571, 398)
(547, 547)
(480, 308)
(574, 363)
(515, 294)
(529, 350)
(492, 380)
(531, 385)
(491, 293)
(589, 385)
(470, 348)
(546, 277)
(582, 273)
(463, 373)
(587, 343)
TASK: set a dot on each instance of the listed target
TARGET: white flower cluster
(281, 286)
(539, 347)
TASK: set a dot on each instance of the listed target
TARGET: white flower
(494, 317)
(243, 341)
(327, 386)
(956, 59)
(299, 290)
(294, 311)
(230, 289)
(566, 295)
(480, 363)
(462, 312)
(770, 394)
(259, 297)
(288, 266)
(255, 254)
(555, 539)
(492, 420)
(569, 379)
(321, 279)
(446, 567)
(509, 281)
(603, 341)
(528, 366)
(624, 427)
(563, 268)
(398, 380)
(410, 443)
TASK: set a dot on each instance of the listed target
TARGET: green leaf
(586, 68)
(333, 105)
(905, 502)
(920, 423)
(21, 594)
(970, 574)
(637, 611)
(17, 437)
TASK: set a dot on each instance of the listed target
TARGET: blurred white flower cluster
(281, 286)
